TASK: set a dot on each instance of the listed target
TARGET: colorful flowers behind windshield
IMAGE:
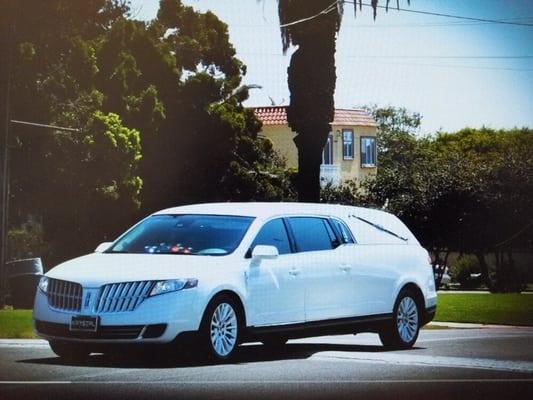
(165, 248)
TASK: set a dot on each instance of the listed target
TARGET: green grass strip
(16, 324)
(500, 309)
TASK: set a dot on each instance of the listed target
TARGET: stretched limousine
(227, 273)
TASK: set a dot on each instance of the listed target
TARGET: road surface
(495, 363)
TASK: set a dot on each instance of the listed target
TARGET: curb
(466, 325)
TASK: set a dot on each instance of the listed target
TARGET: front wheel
(402, 331)
(70, 351)
(220, 329)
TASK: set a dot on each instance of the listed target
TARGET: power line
(327, 10)
(59, 128)
(421, 57)
(334, 5)
(375, 59)
(451, 57)
(399, 25)
(445, 57)
(413, 11)
(455, 66)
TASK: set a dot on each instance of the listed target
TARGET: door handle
(294, 272)
(345, 268)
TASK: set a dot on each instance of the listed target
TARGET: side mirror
(103, 247)
(262, 252)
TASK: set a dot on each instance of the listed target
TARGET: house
(349, 153)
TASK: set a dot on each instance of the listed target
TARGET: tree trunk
(311, 80)
(484, 270)
(309, 160)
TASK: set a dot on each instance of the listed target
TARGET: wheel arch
(419, 295)
(235, 297)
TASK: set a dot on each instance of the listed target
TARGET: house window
(347, 144)
(368, 151)
(327, 155)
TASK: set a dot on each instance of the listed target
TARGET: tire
(274, 342)
(220, 328)
(402, 331)
(70, 351)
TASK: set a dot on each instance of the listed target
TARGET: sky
(456, 73)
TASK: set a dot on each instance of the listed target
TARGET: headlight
(173, 285)
(43, 284)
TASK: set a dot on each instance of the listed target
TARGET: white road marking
(23, 343)
(429, 361)
(35, 382)
(267, 381)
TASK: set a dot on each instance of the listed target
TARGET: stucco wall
(282, 139)
(351, 169)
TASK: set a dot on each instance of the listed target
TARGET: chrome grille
(64, 295)
(120, 297)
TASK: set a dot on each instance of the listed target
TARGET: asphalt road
(495, 363)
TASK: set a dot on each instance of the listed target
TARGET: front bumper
(158, 319)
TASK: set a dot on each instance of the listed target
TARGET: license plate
(84, 323)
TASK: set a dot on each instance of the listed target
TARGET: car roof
(264, 209)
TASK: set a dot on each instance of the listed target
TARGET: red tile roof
(277, 115)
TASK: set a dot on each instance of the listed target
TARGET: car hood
(98, 269)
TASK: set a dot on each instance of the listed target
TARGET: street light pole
(6, 46)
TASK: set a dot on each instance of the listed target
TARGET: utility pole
(7, 36)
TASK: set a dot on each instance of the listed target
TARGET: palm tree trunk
(311, 78)
(310, 146)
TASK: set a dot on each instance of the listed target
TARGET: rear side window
(343, 231)
(310, 234)
(273, 233)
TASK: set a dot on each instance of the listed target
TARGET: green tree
(172, 85)
(396, 134)
(493, 170)
(55, 179)
(465, 192)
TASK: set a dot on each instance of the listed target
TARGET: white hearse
(227, 273)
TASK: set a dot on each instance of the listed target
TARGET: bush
(26, 240)
(462, 269)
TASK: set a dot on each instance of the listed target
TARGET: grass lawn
(16, 324)
(504, 309)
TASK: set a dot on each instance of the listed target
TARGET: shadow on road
(187, 358)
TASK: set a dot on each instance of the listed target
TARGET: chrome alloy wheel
(407, 319)
(223, 329)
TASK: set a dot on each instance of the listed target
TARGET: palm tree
(312, 25)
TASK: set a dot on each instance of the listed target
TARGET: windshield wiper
(381, 228)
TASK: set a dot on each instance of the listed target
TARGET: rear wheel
(402, 331)
(221, 328)
(70, 351)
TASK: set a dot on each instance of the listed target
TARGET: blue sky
(456, 73)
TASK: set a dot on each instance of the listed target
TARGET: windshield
(212, 235)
